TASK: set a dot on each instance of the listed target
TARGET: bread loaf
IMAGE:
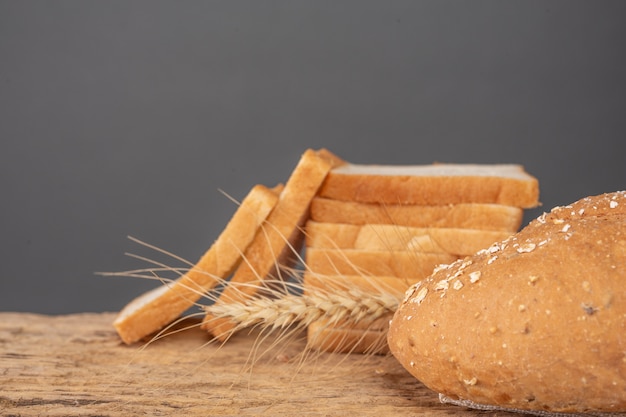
(536, 322)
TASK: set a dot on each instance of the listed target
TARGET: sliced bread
(453, 241)
(366, 337)
(279, 239)
(388, 285)
(462, 215)
(436, 184)
(401, 264)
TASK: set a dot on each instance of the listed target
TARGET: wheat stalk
(349, 306)
(282, 302)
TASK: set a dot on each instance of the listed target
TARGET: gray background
(126, 118)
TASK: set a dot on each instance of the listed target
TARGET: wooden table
(76, 366)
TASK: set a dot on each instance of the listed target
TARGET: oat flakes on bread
(534, 323)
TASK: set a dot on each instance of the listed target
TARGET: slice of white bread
(461, 242)
(388, 285)
(351, 337)
(361, 337)
(462, 215)
(401, 264)
(153, 310)
(436, 184)
(273, 247)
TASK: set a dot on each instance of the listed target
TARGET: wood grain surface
(76, 366)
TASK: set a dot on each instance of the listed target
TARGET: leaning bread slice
(401, 264)
(435, 184)
(156, 308)
(399, 238)
(464, 215)
(278, 241)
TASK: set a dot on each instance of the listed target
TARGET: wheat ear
(271, 313)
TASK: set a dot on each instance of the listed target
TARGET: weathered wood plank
(76, 366)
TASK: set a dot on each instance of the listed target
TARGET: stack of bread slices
(379, 229)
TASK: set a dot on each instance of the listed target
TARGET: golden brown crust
(535, 322)
(466, 216)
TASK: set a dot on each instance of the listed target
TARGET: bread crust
(536, 322)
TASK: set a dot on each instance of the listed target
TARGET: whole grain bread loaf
(535, 322)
